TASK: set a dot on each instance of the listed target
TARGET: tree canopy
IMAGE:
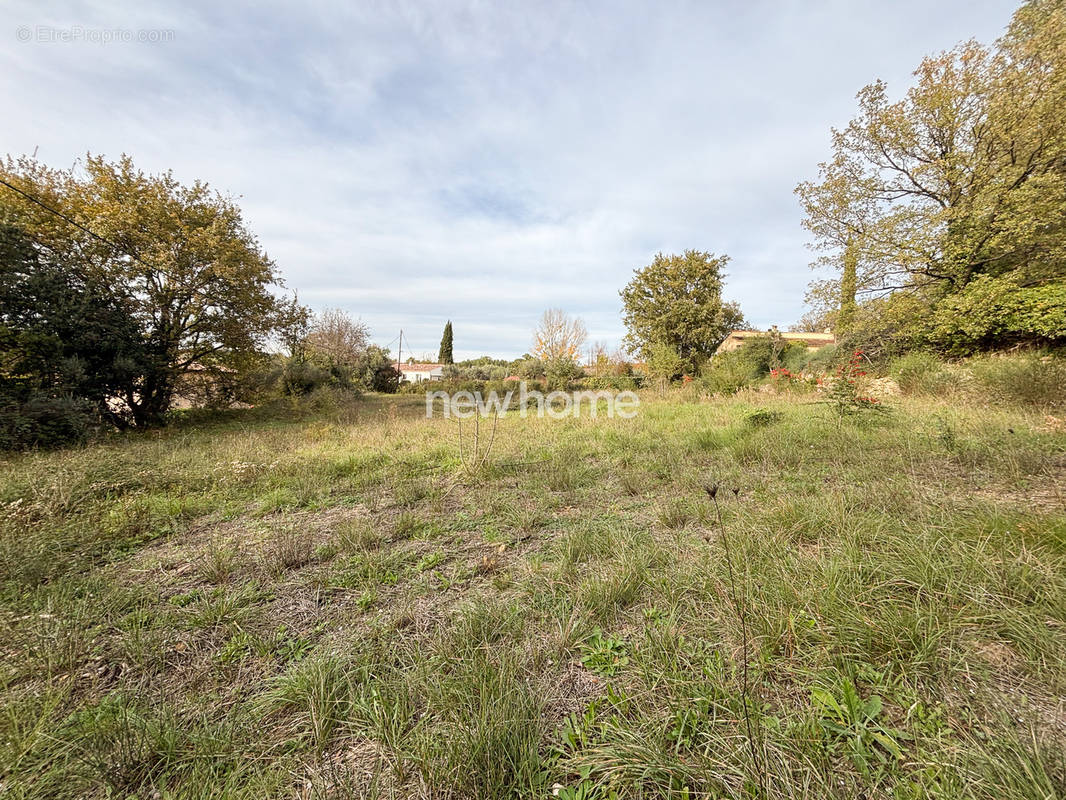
(964, 178)
(178, 258)
(559, 337)
(445, 354)
(67, 345)
(677, 301)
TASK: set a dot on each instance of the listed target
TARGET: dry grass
(331, 606)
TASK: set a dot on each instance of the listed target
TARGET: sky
(481, 162)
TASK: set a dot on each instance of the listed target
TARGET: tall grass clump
(1033, 378)
(918, 373)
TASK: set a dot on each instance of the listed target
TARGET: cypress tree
(445, 354)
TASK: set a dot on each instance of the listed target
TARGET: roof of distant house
(419, 367)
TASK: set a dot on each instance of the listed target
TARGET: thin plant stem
(741, 611)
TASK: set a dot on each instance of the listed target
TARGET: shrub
(918, 373)
(302, 377)
(997, 312)
(617, 383)
(727, 373)
(1035, 379)
(843, 391)
(762, 418)
(824, 359)
(43, 421)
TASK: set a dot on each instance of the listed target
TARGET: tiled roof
(420, 367)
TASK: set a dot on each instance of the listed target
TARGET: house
(418, 372)
(810, 339)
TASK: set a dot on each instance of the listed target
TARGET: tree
(677, 301)
(848, 287)
(336, 340)
(663, 363)
(67, 344)
(965, 177)
(559, 337)
(445, 354)
(179, 257)
(377, 370)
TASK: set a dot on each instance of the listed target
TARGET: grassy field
(328, 605)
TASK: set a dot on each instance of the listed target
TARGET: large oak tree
(180, 258)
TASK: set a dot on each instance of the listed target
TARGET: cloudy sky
(415, 162)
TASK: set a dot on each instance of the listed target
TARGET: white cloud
(480, 162)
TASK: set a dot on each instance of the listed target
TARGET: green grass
(331, 606)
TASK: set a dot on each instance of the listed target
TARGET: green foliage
(762, 418)
(727, 373)
(993, 312)
(41, 420)
(1031, 378)
(918, 372)
(188, 273)
(617, 383)
(852, 723)
(844, 392)
(445, 354)
(764, 353)
(67, 345)
(1035, 378)
(377, 372)
(302, 377)
(662, 363)
(560, 372)
(604, 654)
(677, 301)
(954, 193)
(848, 287)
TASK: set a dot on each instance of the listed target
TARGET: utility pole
(399, 350)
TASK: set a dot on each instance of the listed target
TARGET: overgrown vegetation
(326, 604)
(942, 210)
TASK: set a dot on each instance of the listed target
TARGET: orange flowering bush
(844, 389)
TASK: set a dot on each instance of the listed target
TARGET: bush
(616, 383)
(824, 359)
(302, 377)
(1036, 379)
(918, 373)
(727, 373)
(46, 422)
(998, 312)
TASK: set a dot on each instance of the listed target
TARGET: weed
(141, 658)
(317, 692)
(604, 654)
(357, 535)
(407, 525)
(287, 550)
(853, 723)
(677, 513)
(762, 418)
(217, 562)
(429, 561)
